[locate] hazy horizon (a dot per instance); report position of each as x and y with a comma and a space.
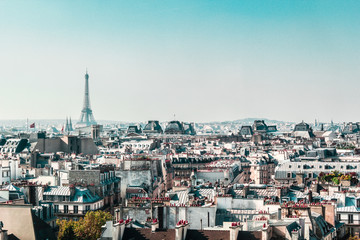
203, 61
164, 121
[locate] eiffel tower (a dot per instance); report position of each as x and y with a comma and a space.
87, 117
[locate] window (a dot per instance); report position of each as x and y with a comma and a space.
289, 175
76, 208
87, 207
56, 208
350, 218
339, 217
66, 208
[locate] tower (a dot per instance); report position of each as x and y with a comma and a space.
70, 126
67, 125
86, 118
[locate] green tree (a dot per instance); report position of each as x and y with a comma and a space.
87, 228
66, 229
336, 180
353, 238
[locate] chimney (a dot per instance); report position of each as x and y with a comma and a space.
186, 226
3, 233
265, 232
118, 229
307, 228
294, 235
330, 213
234, 230
181, 230
154, 225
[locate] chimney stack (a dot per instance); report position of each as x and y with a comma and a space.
154, 225
265, 232
234, 230
181, 230
294, 235
3, 233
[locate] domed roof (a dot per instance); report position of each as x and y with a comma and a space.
153, 126
259, 125
174, 127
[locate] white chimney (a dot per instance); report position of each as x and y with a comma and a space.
181, 230
265, 232
294, 235
154, 225
186, 226
234, 230
3, 234
118, 230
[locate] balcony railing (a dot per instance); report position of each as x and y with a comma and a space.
79, 212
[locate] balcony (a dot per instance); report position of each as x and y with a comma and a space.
71, 212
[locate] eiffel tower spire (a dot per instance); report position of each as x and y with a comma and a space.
86, 117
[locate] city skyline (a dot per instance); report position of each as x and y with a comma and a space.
203, 61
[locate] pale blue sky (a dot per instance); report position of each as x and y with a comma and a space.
202, 60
